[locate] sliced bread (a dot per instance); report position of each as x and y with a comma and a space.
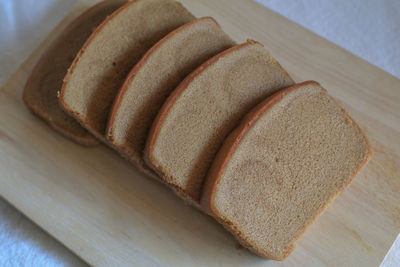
204, 108
150, 82
40, 92
281, 167
98, 71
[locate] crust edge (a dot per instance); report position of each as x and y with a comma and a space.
226, 152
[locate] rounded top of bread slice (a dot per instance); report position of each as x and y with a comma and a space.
196, 117
281, 167
99, 69
40, 91
150, 82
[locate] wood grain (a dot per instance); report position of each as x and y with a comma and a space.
108, 213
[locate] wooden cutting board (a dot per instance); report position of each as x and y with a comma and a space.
108, 213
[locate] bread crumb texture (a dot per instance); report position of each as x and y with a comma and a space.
46, 79
105, 60
156, 75
289, 165
206, 107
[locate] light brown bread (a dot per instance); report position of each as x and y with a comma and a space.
40, 92
98, 71
281, 167
150, 82
204, 108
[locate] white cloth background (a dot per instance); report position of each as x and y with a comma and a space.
368, 28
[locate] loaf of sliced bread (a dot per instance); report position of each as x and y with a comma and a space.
281, 167
99, 69
150, 82
205, 107
40, 92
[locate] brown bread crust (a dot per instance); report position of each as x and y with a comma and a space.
65, 124
125, 87
65, 105
135, 69
226, 152
159, 120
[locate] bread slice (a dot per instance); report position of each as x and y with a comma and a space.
281, 167
98, 71
150, 82
40, 92
204, 108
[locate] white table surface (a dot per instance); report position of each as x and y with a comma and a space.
368, 28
